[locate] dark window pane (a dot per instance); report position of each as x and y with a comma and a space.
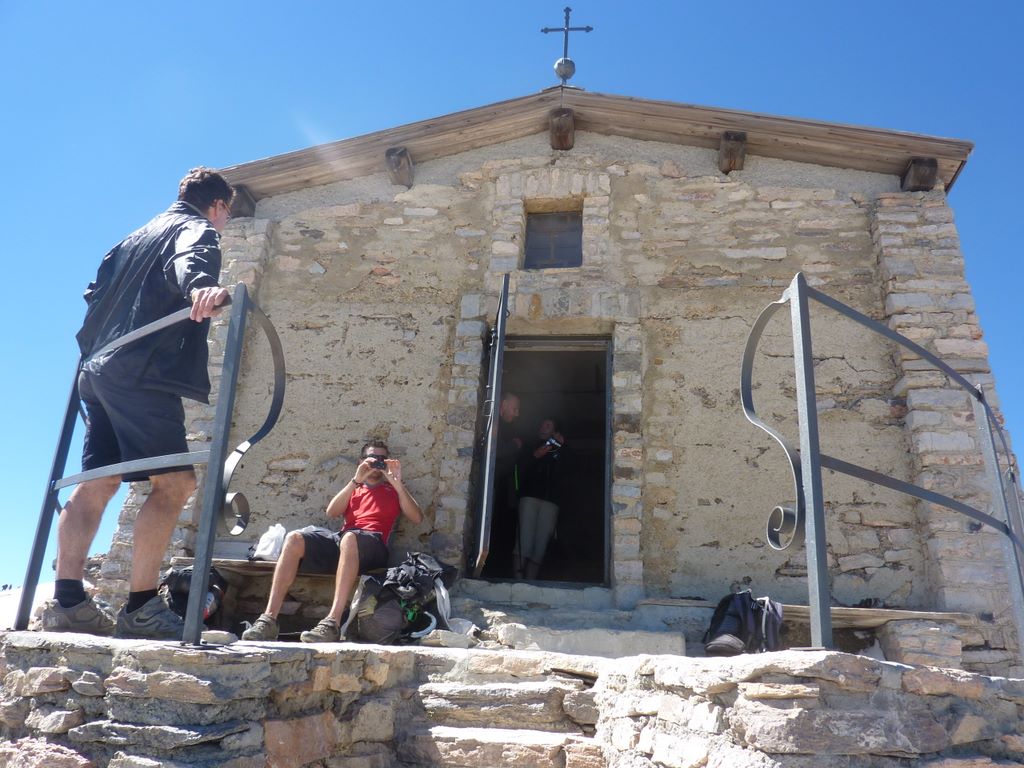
554, 240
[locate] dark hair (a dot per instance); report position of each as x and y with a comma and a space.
557, 427
202, 187
374, 443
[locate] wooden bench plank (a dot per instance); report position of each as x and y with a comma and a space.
842, 617
244, 567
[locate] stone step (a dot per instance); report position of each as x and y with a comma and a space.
590, 641
566, 621
539, 705
448, 747
491, 666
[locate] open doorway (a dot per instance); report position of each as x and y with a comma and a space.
564, 379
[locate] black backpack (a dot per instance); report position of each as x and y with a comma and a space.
743, 624
176, 584
394, 608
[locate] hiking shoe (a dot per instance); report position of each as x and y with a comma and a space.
325, 632
264, 628
88, 616
153, 621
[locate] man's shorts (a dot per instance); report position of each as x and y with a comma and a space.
124, 423
323, 550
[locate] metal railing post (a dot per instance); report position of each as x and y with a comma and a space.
819, 598
213, 492
1002, 510
51, 504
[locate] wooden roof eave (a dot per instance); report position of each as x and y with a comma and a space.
830, 144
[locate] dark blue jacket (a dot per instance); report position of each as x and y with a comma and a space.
148, 275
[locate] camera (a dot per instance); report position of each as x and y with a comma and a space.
553, 443
378, 464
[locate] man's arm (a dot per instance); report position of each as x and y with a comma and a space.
206, 302
339, 504
406, 502
195, 268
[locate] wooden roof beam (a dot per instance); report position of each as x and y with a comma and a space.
244, 204
563, 128
400, 166
732, 151
921, 175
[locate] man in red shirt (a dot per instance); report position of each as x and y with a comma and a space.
370, 504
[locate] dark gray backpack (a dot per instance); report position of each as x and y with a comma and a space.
743, 624
401, 606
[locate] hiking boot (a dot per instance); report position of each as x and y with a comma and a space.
325, 632
153, 621
264, 628
87, 616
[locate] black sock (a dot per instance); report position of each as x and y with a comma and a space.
138, 599
69, 592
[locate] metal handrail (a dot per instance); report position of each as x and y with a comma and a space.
492, 417
218, 503
787, 523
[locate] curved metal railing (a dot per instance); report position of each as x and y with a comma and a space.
232, 508
788, 523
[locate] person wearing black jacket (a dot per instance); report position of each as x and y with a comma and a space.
132, 398
540, 491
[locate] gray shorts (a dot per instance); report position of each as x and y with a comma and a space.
323, 550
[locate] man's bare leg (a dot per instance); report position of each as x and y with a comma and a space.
287, 567
154, 526
532, 569
347, 576
78, 523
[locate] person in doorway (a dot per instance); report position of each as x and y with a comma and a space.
132, 399
370, 504
542, 465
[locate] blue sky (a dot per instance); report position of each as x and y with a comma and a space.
106, 105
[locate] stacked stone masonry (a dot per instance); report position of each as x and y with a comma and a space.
78, 702
383, 297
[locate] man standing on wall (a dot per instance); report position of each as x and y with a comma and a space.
369, 505
132, 399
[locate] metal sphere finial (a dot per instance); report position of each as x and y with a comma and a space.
565, 68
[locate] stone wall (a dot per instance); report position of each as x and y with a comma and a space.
382, 294
78, 702
927, 299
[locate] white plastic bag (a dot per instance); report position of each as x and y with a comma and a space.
270, 544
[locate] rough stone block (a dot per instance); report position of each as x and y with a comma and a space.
297, 741
42, 680
36, 753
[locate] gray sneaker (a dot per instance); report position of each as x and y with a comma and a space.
264, 628
325, 632
88, 616
153, 621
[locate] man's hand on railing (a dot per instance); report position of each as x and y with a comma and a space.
208, 302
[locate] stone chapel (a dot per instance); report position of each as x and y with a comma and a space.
641, 239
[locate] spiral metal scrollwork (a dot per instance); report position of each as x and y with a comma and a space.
785, 523
235, 511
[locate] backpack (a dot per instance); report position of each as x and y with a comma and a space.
393, 609
743, 624
176, 583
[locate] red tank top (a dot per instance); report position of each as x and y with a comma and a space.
373, 509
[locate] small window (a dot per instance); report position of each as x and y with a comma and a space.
554, 240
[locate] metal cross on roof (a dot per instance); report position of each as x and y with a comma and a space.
564, 67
